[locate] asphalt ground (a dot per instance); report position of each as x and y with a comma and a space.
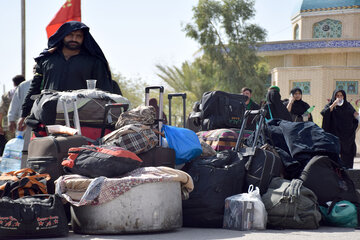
328, 233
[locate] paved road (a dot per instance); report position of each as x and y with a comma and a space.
327, 233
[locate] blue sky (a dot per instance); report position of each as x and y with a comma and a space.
134, 35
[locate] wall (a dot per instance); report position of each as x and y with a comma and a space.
350, 20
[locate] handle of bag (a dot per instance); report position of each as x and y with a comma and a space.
161, 103
158, 132
183, 95
75, 116
261, 113
24, 172
108, 107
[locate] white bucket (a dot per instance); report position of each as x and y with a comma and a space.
146, 208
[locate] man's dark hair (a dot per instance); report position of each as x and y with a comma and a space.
18, 79
246, 89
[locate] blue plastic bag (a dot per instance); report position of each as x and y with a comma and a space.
184, 141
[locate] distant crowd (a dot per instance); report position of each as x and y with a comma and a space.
339, 116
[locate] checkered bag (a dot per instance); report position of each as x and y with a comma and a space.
140, 115
136, 138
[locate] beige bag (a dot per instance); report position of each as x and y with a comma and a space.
142, 114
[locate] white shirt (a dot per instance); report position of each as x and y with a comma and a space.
17, 101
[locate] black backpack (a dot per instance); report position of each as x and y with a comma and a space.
220, 109
328, 180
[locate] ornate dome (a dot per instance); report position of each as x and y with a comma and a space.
328, 5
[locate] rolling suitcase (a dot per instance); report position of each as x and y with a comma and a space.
261, 165
45, 155
157, 156
215, 178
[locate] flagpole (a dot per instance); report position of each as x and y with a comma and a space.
23, 59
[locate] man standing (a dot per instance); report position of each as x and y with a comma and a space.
72, 57
4, 107
250, 105
6, 135
17, 101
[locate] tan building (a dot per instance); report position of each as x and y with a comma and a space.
324, 54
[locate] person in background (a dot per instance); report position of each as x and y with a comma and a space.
296, 106
250, 105
5, 104
17, 101
341, 119
72, 57
274, 106
153, 102
6, 98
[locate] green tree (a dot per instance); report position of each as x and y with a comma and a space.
227, 38
193, 79
132, 89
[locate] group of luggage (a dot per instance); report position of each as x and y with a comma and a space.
221, 176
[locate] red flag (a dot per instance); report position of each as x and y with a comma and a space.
70, 11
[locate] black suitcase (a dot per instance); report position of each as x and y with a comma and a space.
32, 217
158, 156
45, 155
261, 165
215, 178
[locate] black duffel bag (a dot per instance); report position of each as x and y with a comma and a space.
33, 217
215, 179
219, 109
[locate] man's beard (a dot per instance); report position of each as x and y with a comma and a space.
72, 45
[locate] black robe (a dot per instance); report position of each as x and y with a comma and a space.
275, 105
54, 72
298, 108
341, 123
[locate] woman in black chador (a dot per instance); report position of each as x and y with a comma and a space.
274, 106
340, 119
297, 107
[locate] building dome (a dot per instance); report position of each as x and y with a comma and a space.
328, 5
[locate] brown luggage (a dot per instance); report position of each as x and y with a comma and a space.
47, 153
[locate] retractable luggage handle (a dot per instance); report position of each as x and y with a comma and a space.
183, 95
75, 118
108, 107
262, 114
161, 103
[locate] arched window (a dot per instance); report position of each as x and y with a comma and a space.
327, 28
297, 32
